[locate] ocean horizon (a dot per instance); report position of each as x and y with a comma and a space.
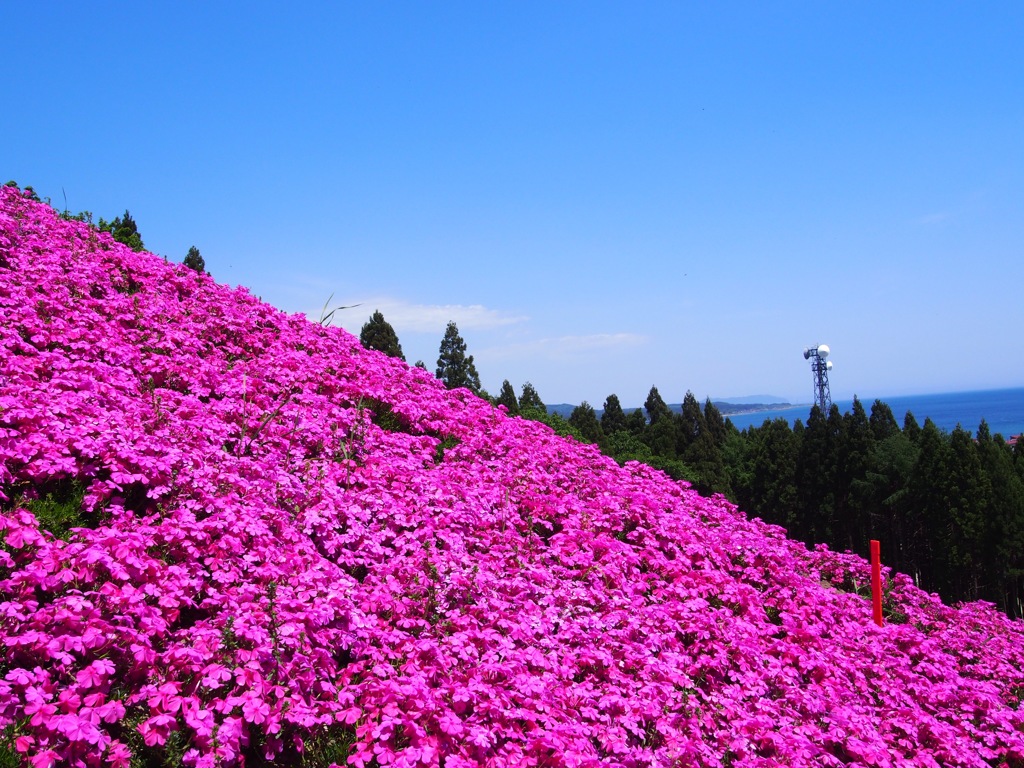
1002, 409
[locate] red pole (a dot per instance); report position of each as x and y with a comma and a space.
876, 581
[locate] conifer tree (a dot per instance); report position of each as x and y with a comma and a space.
910, 427
815, 470
1004, 524
969, 495
123, 230
613, 419
690, 423
656, 407
584, 419
529, 400
507, 397
850, 530
378, 334
717, 426
194, 260
454, 367
636, 422
883, 423
773, 492
928, 526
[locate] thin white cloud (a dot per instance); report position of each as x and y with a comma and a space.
560, 347
423, 318
933, 218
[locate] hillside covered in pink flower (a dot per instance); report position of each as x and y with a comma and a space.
286, 549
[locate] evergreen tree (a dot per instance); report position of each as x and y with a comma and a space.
661, 436
705, 457
1003, 551
420, 364
378, 334
454, 368
969, 495
624, 446
885, 488
717, 426
529, 400
928, 526
772, 492
656, 407
883, 423
636, 423
815, 473
690, 424
194, 260
698, 447
584, 419
910, 427
123, 230
854, 454
613, 419
507, 397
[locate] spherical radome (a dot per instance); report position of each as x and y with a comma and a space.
823, 351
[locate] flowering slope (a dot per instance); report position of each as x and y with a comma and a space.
292, 549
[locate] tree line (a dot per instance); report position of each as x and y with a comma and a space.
947, 507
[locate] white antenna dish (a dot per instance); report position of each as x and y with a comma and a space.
823, 351
828, 366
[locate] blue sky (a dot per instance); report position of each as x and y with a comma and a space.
602, 196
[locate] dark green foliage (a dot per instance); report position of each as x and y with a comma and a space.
378, 334
1003, 544
661, 437
445, 444
124, 230
910, 427
507, 397
656, 407
28, 191
927, 513
717, 425
883, 423
623, 446
60, 509
699, 444
194, 260
555, 421
9, 757
384, 415
690, 424
454, 368
636, 422
530, 400
584, 419
420, 364
772, 492
854, 454
969, 492
613, 419
675, 469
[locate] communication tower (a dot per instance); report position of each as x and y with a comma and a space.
820, 367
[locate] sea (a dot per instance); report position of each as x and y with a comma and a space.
1002, 409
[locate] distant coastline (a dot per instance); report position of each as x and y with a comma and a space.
1002, 410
